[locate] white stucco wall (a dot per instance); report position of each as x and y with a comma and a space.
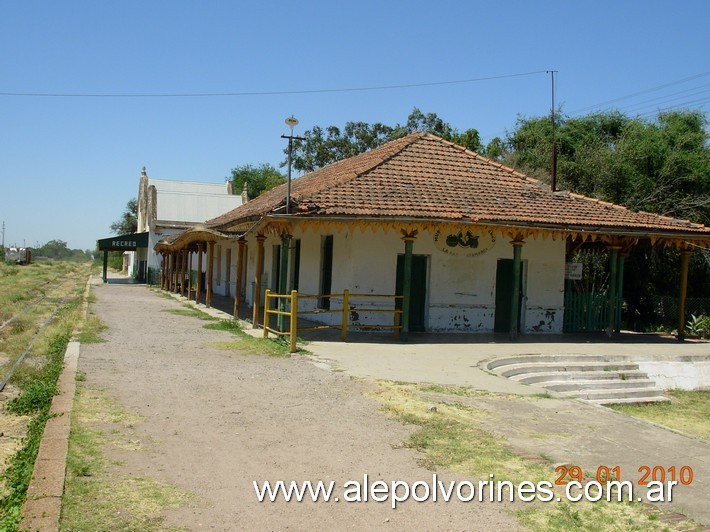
672, 374
460, 285
221, 277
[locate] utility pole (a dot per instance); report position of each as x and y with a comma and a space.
285, 238
553, 174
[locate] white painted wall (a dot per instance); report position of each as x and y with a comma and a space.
671, 375
219, 272
460, 289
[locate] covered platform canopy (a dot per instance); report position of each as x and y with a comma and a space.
130, 242
177, 251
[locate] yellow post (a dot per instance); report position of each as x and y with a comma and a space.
266, 313
294, 319
396, 323
346, 310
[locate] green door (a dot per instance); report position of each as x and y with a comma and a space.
504, 296
417, 301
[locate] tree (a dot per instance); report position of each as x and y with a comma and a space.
57, 249
660, 165
258, 179
326, 146
323, 147
128, 223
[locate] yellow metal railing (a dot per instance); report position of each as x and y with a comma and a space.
293, 313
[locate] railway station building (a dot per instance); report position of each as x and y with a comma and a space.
455, 241
168, 207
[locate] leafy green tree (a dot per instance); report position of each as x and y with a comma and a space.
660, 165
323, 147
258, 179
496, 149
326, 146
128, 223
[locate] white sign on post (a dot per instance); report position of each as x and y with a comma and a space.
573, 271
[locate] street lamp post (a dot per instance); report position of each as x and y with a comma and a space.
286, 238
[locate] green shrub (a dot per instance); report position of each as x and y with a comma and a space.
699, 326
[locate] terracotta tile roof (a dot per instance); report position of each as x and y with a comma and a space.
422, 176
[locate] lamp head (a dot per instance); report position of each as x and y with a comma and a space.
291, 122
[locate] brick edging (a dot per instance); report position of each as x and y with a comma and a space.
44, 495
43, 504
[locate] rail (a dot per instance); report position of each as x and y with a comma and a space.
293, 299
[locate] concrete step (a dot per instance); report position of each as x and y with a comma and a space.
541, 378
624, 393
546, 367
599, 379
630, 400
595, 385
538, 358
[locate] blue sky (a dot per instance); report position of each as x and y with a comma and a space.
68, 165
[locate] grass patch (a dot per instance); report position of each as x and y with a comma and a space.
91, 331
451, 437
97, 495
247, 344
687, 412
189, 311
35, 400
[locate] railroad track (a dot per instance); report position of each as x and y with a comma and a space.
37, 300
66, 289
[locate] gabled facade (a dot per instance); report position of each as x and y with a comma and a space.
168, 207
471, 245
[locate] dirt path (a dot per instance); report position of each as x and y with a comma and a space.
213, 421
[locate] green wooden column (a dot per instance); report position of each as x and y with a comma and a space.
283, 279
517, 274
406, 285
684, 260
619, 291
613, 263
105, 266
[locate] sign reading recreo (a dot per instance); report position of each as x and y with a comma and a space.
573, 271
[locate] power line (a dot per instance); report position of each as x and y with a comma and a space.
640, 107
670, 97
262, 93
683, 105
645, 91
